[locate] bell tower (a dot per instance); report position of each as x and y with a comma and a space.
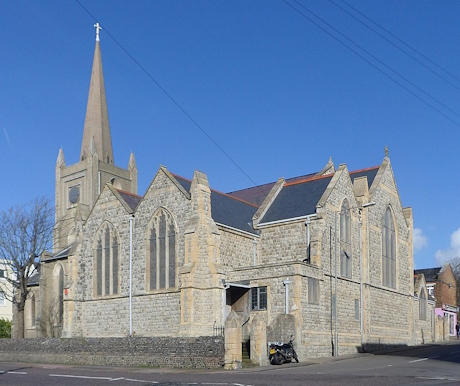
78, 186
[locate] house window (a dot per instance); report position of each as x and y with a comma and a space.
313, 291
2, 273
345, 240
422, 305
162, 252
2, 298
107, 262
388, 251
259, 298
430, 290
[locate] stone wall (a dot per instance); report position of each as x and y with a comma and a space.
424, 329
202, 352
154, 312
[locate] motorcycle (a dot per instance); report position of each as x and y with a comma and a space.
282, 353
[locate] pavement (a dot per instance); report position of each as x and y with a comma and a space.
255, 368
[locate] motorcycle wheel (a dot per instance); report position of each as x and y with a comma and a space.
295, 357
277, 359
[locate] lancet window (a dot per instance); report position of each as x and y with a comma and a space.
162, 251
345, 240
107, 261
58, 290
388, 250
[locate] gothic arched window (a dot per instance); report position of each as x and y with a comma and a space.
106, 261
162, 251
345, 240
58, 283
388, 250
422, 305
31, 313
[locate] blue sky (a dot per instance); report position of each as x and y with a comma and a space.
275, 92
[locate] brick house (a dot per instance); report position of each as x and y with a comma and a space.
442, 286
332, 250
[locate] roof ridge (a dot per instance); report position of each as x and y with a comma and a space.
364, 169
218, 191
128, 193
252, 187
308, 179
234, 198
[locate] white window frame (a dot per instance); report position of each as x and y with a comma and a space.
259, 295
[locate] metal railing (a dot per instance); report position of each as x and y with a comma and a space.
218, 330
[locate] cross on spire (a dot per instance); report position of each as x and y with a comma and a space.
98, 28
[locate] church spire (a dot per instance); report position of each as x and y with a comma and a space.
97, 126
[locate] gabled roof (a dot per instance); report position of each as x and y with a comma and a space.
255, 195
370, 173
34, 280
300, 195
62, 254
431, 274
132, 200
227, 210
297, 199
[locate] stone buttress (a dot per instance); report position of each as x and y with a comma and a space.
202, 275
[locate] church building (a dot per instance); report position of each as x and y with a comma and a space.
330, 252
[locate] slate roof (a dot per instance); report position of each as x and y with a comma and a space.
296, 199
131, 199
62, 254
370, 173
34, 280
227, 210
431, 274
299, 196
255, 195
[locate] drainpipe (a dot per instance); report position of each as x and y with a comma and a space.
361, 302
336, 345
131, 275
286, 285
307, 224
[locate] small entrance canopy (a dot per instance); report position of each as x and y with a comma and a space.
244, 284
234, 294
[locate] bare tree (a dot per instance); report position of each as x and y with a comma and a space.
25, 233
455, 264
49, 320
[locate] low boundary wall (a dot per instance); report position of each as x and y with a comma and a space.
201, 352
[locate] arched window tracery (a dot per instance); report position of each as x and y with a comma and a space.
388, 250
107, 261
162, 251
345, 240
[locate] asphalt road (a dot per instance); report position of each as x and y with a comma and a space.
422, 366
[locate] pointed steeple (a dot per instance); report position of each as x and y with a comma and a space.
97, 126
132, 162
60, 159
